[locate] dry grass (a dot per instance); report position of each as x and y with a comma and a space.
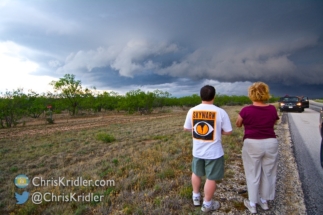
150, 162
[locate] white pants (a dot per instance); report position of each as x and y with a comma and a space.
260, 165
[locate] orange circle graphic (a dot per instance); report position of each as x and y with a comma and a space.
202, 129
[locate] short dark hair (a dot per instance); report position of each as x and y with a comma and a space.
207, 93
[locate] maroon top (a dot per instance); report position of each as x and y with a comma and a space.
259, 121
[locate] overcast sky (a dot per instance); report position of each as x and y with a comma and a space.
175, 46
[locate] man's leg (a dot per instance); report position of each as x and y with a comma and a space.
196, 183
214, 169
209, 189
197, 169
196, 196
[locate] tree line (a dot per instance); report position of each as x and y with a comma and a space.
70, 96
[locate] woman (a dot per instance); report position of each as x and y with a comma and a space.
260, 147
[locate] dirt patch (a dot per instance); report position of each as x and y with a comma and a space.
63, 122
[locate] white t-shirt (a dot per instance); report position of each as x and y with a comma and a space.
206, 122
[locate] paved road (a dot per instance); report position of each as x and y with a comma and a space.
316, 105
304, 128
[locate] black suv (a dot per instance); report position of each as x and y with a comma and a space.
295, 103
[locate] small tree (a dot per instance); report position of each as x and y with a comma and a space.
160, 98
87, 103
136, 100
109, 100
36, 104
13, 106
70, 90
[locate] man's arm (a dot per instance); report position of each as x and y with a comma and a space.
187, 129
226, 132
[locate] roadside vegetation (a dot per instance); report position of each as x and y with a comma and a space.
69, 95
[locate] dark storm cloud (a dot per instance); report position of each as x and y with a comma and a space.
165, 43
309, 90
266, 61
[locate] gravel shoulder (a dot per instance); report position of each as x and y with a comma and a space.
289, 194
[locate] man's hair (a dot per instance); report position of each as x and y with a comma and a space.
207, 93
259, 92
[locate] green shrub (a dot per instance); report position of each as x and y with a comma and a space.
50, 120
167, 173
14, 169
107, 138
186, 192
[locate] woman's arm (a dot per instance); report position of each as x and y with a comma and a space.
239, 121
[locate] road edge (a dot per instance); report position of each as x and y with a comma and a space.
289, 196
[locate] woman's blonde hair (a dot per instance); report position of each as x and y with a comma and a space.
259, 92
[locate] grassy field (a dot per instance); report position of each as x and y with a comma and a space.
148, 157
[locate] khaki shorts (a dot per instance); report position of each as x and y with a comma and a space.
212, 168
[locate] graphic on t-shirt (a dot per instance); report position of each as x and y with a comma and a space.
204, 125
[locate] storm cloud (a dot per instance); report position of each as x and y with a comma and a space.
174, 46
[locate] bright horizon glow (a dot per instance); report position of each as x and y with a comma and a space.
16, 70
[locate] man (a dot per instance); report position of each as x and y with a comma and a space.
207, 123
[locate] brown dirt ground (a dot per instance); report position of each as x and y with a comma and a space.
64, 122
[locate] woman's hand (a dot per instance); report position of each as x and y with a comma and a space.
239, 121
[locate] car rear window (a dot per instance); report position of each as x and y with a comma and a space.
290, 99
